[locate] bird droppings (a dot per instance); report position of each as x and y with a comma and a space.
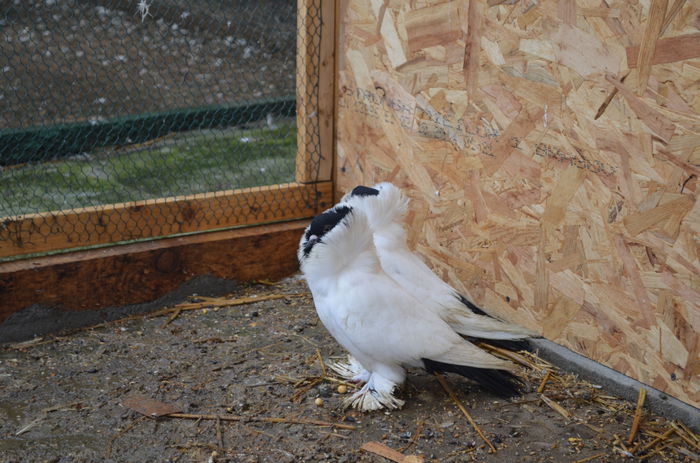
247, 394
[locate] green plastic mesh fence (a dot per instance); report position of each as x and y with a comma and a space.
112, 101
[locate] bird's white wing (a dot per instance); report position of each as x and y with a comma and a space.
386, 211
413, 275
388, 325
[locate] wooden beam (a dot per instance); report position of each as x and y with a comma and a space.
35, 233
315, 89
326, 92
141, 272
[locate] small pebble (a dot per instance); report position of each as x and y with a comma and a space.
325, 390
318, 402
342, 389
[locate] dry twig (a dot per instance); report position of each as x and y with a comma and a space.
637, 414
176, 310
592, 457
453, 396
414, 439
262, 419
686, 434
517, 357
220, 302
320, 360
387, 452
172, 317
556, 407
44, 413
133, 424
219, 434
540, 388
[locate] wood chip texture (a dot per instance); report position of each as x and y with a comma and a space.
583, 229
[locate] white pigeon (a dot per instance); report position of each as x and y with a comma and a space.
383, 326
385, 206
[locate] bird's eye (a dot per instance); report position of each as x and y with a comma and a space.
327, 228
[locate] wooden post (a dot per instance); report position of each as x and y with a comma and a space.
315, 89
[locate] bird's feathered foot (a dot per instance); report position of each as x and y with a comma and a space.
377, 393
351, 371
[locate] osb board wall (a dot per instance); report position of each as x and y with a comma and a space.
550, 149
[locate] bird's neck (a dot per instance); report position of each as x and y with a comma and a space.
391, 235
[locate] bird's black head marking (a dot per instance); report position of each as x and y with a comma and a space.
322, 224
362, 190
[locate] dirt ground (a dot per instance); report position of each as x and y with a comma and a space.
62, 398
76, 60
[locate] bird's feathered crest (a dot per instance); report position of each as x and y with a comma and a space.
335, 238
386, 207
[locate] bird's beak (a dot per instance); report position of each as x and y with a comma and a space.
310, 242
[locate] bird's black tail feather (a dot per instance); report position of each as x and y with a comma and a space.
508, 344
514, 345
473, 307
500, 382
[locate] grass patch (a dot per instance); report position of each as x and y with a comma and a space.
181, 164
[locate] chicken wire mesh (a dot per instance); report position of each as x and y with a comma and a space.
113, 101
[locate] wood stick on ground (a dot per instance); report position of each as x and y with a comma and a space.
637, 414
219, 434
387, 452
171, 318
262, 419
683, 435
196, 445
158, 313
453, 396
556, 407
514, 356
44, 413
414, 439
108, 452
688, 431
623, 448
221, 302
320, 360
656, 441
657, 450
298, 395
592, 457
333, 434
540, 388
260, 432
